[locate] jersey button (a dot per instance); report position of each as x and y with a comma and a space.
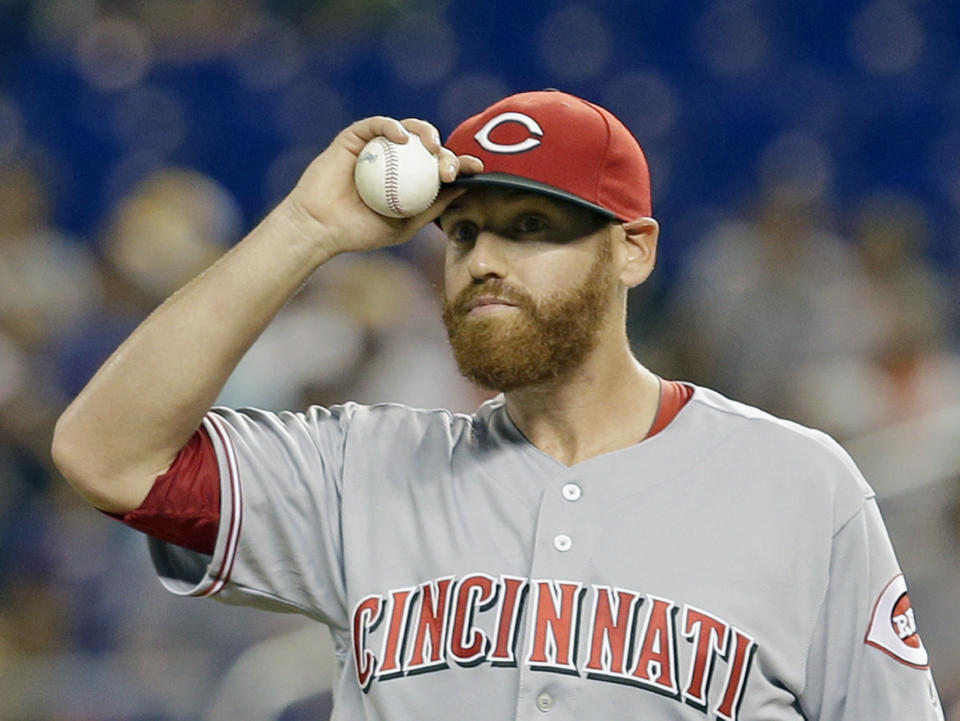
571, 492
544, 702
562, 542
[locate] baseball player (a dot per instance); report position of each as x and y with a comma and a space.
595, 542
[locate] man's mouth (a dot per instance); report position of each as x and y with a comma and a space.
485, 300
484, 304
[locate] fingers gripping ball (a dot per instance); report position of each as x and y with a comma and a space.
397, 180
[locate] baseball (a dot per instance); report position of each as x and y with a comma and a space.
397, 180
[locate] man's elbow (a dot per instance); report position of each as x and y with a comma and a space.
80, 463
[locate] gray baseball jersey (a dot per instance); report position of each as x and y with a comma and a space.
733, 566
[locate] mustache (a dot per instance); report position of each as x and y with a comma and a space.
495, 288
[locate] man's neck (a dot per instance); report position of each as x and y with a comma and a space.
607, 404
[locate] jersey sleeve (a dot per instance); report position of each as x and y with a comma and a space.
278, 543
866, 659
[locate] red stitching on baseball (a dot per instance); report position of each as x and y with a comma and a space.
391, 181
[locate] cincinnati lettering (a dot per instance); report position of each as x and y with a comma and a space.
596, 632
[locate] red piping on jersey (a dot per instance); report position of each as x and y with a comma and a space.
236, 508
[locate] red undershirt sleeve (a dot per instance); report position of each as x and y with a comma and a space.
183, 507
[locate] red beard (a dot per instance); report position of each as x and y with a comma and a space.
539, 341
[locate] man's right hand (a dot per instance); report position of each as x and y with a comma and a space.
325, 204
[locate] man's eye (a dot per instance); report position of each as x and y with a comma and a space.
531, 224
463, 232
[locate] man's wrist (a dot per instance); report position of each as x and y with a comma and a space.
300, 228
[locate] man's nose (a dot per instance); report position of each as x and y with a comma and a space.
488, 257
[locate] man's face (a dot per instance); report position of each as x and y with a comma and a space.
528, 286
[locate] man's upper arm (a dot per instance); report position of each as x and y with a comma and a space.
866, 659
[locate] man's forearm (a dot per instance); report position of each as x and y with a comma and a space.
127, 425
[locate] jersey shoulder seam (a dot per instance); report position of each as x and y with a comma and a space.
828, 444
823, 599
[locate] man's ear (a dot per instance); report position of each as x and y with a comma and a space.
640, 250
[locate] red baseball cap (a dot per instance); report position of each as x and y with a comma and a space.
551, 142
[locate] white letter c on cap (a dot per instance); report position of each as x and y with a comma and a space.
482, 136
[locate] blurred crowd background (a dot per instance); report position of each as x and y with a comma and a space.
806, 166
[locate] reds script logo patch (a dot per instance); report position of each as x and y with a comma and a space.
893, 628
529, 140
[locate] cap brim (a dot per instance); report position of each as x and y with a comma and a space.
505, 180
